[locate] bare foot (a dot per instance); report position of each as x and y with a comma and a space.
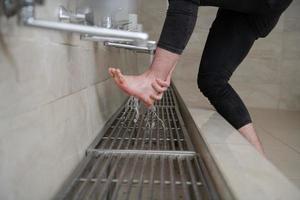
139, 86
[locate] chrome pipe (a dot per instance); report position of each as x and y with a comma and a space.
148, 48
142, 152
103, 39
82, 29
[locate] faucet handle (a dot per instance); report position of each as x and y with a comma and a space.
80, 16
63, 14
122, 24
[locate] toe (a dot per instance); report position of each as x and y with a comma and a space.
119, 76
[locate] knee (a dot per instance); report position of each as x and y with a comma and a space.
212, 86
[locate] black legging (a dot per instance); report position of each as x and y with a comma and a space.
237, 25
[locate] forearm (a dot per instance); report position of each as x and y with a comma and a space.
164, 61
178, 27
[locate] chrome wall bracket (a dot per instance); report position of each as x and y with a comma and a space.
147, 47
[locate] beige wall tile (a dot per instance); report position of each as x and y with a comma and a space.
270, 46
276, 119
289, 88
296, 181
56, 97
191, 94
258, 95
266, 138
286, 159
38, 141
290, 48
258, 70
292, 17
23, 77
283, 126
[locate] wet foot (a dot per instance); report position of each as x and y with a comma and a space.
139, 86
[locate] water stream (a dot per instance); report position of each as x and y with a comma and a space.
151, 114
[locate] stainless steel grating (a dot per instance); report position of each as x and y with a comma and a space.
167, 100
142, 160
125, 134
129, 176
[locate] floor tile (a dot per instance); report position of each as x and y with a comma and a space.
282, 125
214, 129
267, 139
296, 181
285, 159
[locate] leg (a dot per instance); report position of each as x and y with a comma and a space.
249, 133
229, 41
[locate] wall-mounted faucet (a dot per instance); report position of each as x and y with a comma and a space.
129, 44
27, 16
82, 22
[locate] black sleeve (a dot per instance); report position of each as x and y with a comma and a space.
179, 25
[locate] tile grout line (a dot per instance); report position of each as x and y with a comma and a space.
278, 139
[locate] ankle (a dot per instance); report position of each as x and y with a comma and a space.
151, 74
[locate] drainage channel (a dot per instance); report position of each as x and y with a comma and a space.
133, 160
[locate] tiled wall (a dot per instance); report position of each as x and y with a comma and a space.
56, 96
268, 77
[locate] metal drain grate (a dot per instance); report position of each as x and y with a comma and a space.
138, 161
128, 176
125, 134
167, 100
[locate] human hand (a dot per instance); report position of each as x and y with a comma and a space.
160, 86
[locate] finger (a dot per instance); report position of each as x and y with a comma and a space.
110, 71
119, 75
162, 83
158, 88
169, 78
156, 96
149, 102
